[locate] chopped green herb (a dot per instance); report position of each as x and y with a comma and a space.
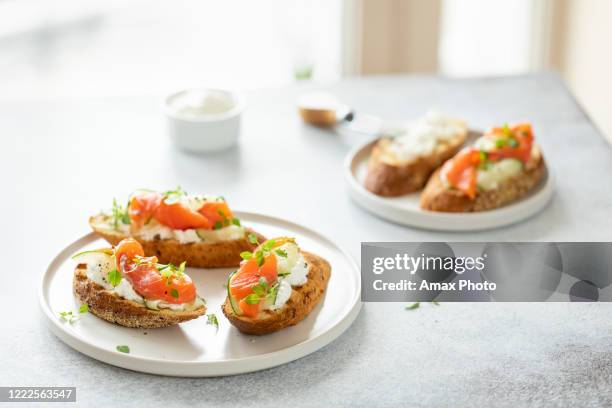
236, 222
123, 349
283, 274
120, 214
252, 238
499, 143
483, 156
69, 317
212, 320
221, 213
174, 293
282, 253
507, 131
273, 293
268, 245
114, 277
218, 225
413, 306
259, 256
246, 255
252, 299
173, 196
84, 308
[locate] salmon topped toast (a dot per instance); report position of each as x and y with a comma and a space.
402, 164
501, 167
175, 227
276, 286
122, 286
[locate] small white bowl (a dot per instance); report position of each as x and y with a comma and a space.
204, 120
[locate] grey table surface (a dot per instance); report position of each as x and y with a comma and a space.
66, 159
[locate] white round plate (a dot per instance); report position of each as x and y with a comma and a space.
194, 348
406, 210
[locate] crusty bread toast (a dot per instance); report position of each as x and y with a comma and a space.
112, 308
438, 197
303, 299
222, 254
390, 177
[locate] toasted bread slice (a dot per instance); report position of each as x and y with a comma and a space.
221, 254
112, 308
303, 299
438, 197
390, 176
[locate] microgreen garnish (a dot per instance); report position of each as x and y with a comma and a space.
171, 272
499, 143
413, 306
69, 317
211, 319
281, 252
507, 131
174, 293
114, 277
252, 238
246, 255
218, 225
173, 196
236, 222
120, 214
123, 349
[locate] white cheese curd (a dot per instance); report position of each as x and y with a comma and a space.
98, 271
293, 271
126, 291
485, 143
153, 230
283, 294
299, 272
422, 137
186, 236
193, 202
497, 173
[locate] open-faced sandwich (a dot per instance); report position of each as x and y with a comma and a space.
123, 286
501, 167
177, 227
402, 164
276, 286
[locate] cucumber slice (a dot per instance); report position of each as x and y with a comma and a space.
104, 251
233, 303
100, 256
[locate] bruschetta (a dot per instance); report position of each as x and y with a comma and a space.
502, 166
402, 164
122, 286
276, 286
175, 227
